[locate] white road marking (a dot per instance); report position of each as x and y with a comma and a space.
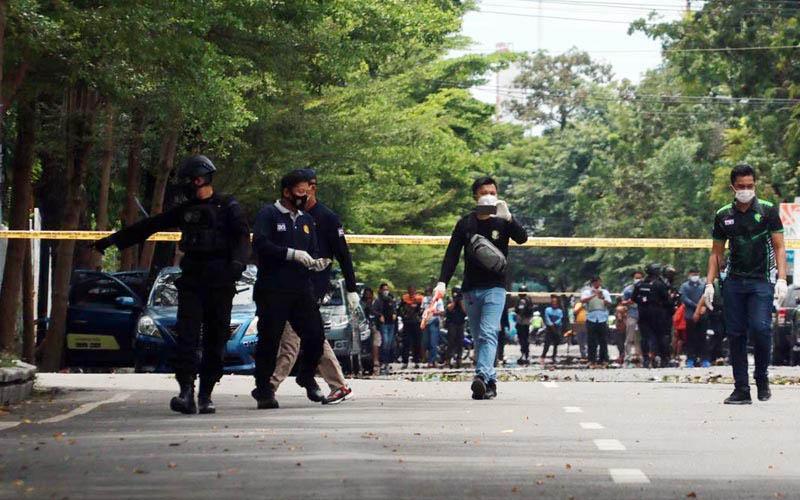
628, 476
591, 426
85, 408
8, 425
573, 409
550, 385
609, 445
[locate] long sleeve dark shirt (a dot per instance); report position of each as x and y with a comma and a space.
499, 232
274, 233
213, 268
332, 243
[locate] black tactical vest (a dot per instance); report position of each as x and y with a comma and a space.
204, 229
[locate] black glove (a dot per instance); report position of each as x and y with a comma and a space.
102, 244
236, 268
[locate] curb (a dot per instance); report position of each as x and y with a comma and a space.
16, 384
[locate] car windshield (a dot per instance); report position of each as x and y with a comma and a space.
334, 295
165, 293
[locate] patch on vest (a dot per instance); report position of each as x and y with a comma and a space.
728, 222
281, 227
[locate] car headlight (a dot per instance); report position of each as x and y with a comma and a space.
147, 327
252, 328
338, 321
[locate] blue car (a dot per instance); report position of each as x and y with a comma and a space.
101, 318
156, 328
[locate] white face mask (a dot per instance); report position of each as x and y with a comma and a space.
745, 195
636, 281
488, 200
694, 278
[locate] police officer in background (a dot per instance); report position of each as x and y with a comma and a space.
215, 241
524, 310
285, 242
652, 298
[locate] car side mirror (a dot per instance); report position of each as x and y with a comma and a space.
125, 302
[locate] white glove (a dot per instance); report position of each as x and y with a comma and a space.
353, 301
708, 295
440, 289
300, 256
781, 289
320, 265
502, 211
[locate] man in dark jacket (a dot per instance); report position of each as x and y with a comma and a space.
487, 230
215, 241
331, 243
285, 242
385, 310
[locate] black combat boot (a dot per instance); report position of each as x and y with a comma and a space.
478, 388
739, 397
763, 389
491, 390
204, 404
184, 402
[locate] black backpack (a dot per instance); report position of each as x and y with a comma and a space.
482, 251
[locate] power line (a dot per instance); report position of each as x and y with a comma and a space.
706, 49
608, 21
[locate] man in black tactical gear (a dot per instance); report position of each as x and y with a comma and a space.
524, 310
215, 241
655, 316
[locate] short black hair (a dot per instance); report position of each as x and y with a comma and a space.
637, 272
292, 179
310, 173
742, 170
383, 285
594, 279
482, 181
694, 270
553, 296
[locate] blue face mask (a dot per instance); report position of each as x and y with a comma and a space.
723, 275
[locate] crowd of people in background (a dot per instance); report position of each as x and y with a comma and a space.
657, 320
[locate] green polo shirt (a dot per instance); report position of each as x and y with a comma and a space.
749, 237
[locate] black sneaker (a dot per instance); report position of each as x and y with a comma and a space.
313, 392
763, 390
265, 400
491, 390
739, 397
478, 388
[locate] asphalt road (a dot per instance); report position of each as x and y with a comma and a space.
113, 436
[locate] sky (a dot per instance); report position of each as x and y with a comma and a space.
599, 27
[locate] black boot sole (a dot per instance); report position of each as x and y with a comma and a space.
738, 402
177, 406
206, 410
269, 404
478, 389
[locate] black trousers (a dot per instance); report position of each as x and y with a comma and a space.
696, 348
597, 337
274, 308
552, 337
209, 309
501, 345
412, 340
655, 325
455, 343
523, 332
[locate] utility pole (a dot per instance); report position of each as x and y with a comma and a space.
539, 28
498, 103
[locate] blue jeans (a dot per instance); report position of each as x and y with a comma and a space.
748, 311
484, 310
387, 343
433, 340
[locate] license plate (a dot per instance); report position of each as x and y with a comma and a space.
83, 342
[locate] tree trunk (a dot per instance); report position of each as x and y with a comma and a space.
3, 9
21, 189
133, 179
166, 160
80, 111
28, 307
106, 162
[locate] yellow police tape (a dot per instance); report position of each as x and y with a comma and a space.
387, 239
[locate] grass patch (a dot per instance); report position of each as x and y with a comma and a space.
7, 360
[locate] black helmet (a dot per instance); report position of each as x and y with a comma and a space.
456, 289
523, 288
196, 166
653, 269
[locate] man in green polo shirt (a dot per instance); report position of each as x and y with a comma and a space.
756, 277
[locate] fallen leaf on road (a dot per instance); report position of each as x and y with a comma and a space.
691, 494
550, 476
539, 482
299, 464
58, 436
19, 483
515, 489
172, 465
174, 444
568, 466
139, 471
507, 431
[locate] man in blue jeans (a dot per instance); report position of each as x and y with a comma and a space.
756, 276
484, 235
385, 310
